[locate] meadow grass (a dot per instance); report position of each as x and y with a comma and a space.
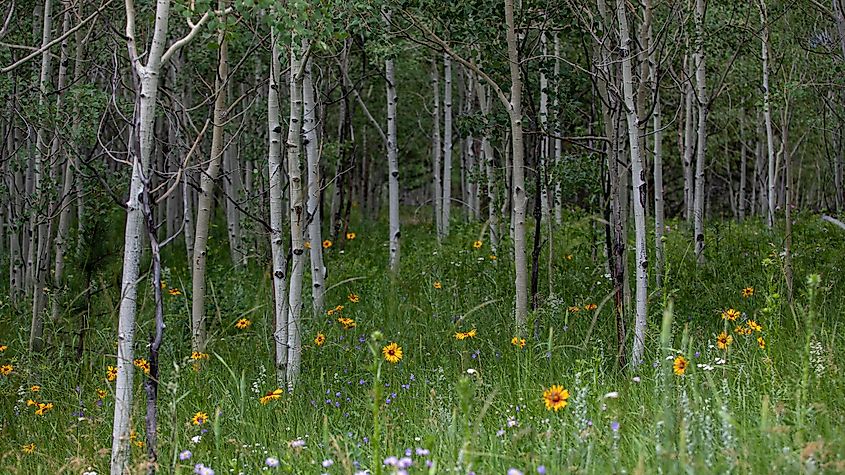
473, 405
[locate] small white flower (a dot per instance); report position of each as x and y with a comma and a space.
611, 395
471, 371
196, 439
636, 379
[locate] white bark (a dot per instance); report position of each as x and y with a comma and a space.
657, 126
437, 150
309, 124
558, 143
393, 165
689, 138
545, 142
447, 143
638, 182
701, 87
767, 116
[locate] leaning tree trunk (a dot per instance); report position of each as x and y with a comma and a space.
638, 182
277, 237
309, 124
393, 164
436, 150
205, 202
447, 144
701, 85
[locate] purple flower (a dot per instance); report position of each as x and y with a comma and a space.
185, 455
422, 452
614, 426
200, 469
391, 461
272, 462
404, 463
541, 470
412, 378
513, 471
327, 463
362, 382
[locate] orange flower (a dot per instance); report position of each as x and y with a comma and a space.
327, 244
350, 236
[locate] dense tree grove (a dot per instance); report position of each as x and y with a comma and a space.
152, 149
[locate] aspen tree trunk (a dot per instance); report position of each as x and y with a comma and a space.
519, 195
558, 143
485, 104
638, 182
659, 213
447, 144
173, 163
742, 166
393, 164
206, 197
297, 212
309, 124
233, 189
689, 138
38, 222
544, 141
436, 150
767, 116
701, 85
787, 157
277, 238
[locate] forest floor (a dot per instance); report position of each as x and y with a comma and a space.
465, 397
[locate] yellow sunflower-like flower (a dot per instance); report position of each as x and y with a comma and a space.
679, 366
748, 292
350, 236
30, 402
472, 333
730, 314
35, 388
271, 396
590, 307
327, 244
199, 418
555, 397
111, 373
3, 348
347, 323
101, 394
339, 308
516, 341
330, 312
28, 448
243, 323
753, 325
319, 339
460, 336
477, 244
723, 341
437, 284
6, 369
196, 356
761, 342
43, 408
392, 353
574, 309
174, 292
354, 298
142, 364
492, 257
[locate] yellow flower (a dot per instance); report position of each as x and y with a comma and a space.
6, 369
199, 418
350, 236
43, 408
516, 341
472, 333
35, 388
555, 397
761, 342
139, 443
574, 309
723, 341
319, 339
339, 308
492, 257
327, 244
101, 394
30, 402
347, 323
437, 284
3, 347
460, 335
111, 373
243, 323
330, 312
307, 244
196, 356
142, 364
174, 292
569, 257
755, 326
392, 353
679, 367
477, 244
271, 396
741, 330
730, 314
28, 448
354, 298
590, 306
748, 292
163, 284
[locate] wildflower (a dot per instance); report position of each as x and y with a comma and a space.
327, 463
472, 333
354, 298
243, 323
741, 330
477, 244
307, 244
327, 244
200, 469
35, 388
271, 396
723, 341
392, 353
569, 257
730, 314
101, 394
3, 348
111, 373
319, 339
492, 257
350, 236
142, 364
43, 408
748, 292
196, 356
296, 444
516, 341
438, 285
30, 402
196, 439
28, 448
347, 323
761, 342
6, 369
199, 418
574, 309
555, 397
755, 326
272, 462
338, 308
185, 455
679, 367
590, 307
174, 292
